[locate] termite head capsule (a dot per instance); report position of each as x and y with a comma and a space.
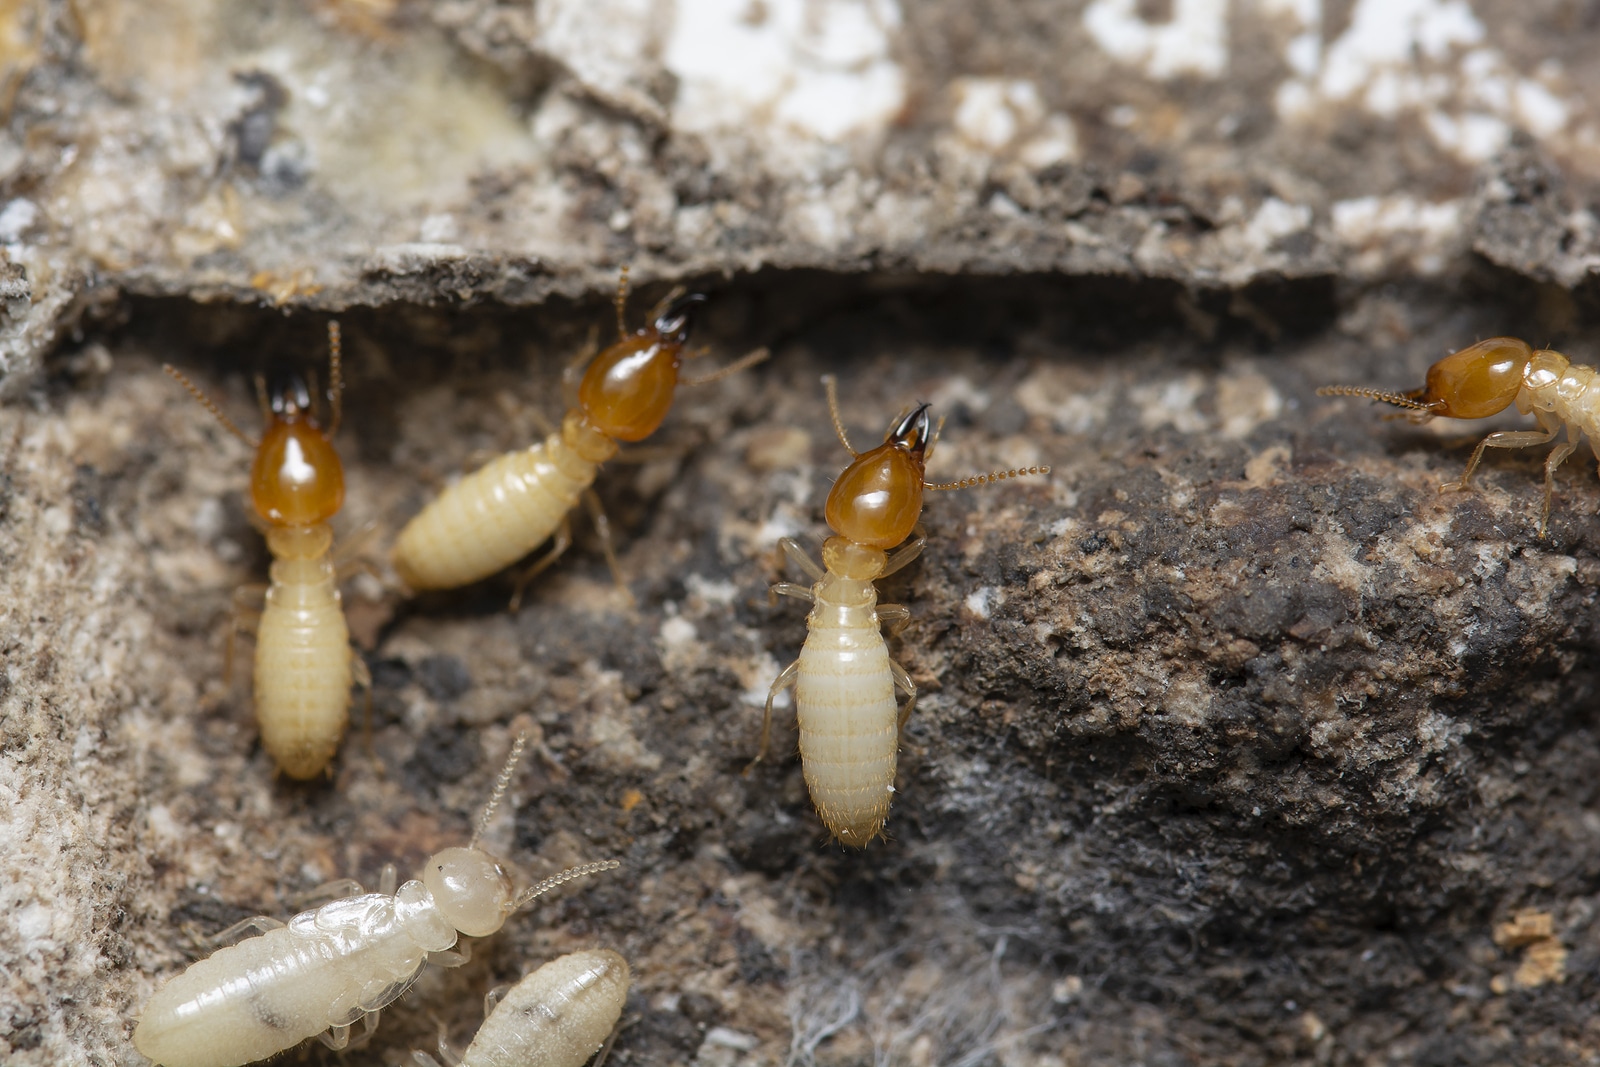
296, 479
628, 389
1474, 383
471, 888
877, 500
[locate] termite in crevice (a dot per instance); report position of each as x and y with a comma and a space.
844, 680
1486, 378
304, 665
498, 514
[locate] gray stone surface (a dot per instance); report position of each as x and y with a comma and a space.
1240, 743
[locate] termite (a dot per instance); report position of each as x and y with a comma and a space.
304, 665
844, 680
342, 963
558, 1016
507, 508
1486, 378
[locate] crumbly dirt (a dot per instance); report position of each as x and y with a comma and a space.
1239, 742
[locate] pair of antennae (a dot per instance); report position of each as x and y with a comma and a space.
1399, 400
831, 384
335, 388
501, 784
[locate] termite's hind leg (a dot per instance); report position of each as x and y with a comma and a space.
1557, 456
605, 1049
560, 541
243, 617
369, 1026
456, 957
779, 684
602, 527
339, 887
388, 879
908, 687
361, 674
335, 1037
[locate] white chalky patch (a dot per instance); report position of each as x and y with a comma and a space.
1193, 41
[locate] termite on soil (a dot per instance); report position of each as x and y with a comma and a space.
558, 1016
507, 508
342, 963
844, 680
1486, 378
304, 665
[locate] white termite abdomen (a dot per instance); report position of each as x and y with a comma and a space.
493, 517
558, 1016
328, 967
303, 662
845, 706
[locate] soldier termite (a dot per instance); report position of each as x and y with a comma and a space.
333, 966
504, 510
304, 665
844, 680
558, 1016
1486, 378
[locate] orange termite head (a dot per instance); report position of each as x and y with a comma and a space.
296, 479
877, 500
1474, 383
628, 389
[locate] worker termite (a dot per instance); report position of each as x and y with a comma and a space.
304, 665
558, 1016
505, 509
844, 680
1486, 378
333, 966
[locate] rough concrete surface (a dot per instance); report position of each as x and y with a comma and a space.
1239, 742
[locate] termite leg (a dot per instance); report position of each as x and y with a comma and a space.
798, 555
1508, 439
908, 687
560, 541
369, 1026
388, 879
492, 998
605, 1049
242, 618
749, 359
335, 1037
1557, 456
896, 616
799, 592
362, 676
261, 924
572, 373
456, 957
779, 684
339, 887
903, 556
602, 526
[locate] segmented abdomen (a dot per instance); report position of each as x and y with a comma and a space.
849, 736
491, 518
268, 993
558, 1016
302, 675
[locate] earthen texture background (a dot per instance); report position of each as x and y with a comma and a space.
1239, 740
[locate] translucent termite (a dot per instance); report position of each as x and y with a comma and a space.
507, 508
844, 680
558, 1016
333, 966
304, 665
1486, 378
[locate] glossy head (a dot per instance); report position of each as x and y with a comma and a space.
1474, 383
471, 889
877, 500
296, 479
628, 389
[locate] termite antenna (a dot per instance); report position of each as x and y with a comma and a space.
1397, 399
985, 479
831, 384
501, 784
568, 875
335, 375
206, 402
621, 301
